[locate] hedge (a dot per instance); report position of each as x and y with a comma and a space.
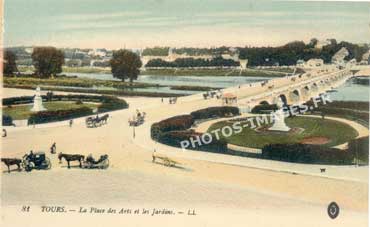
174, 138
211, 112
18, 100
263, 108
7, 120
359, 148
305, 153
173, 130
58, 115
181, 122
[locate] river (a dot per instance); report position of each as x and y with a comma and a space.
349, 91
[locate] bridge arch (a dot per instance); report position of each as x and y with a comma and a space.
305, 90
284, 99
314, 86
295, 95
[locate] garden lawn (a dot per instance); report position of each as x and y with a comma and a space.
20, 112
336, 132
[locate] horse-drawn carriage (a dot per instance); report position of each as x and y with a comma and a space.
138, 120
172, 100
211, 94
91, 163
93, 122
37, 160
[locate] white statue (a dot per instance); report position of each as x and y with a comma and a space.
279, 118
37, 101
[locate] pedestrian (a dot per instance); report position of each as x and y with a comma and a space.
53, 148
153, 156
70, 123
4, 132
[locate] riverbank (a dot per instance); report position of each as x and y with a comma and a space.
253, 72
100, 86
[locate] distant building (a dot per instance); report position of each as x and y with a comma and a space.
365, 59
321, 43
300, 63
338, 58
98, 52
234, 56
314, 63
29, 50
172, 56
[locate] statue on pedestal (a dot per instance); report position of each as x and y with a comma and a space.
37, 101
279, 118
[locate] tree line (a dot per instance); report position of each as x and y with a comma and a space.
290, 53
48, 62
287, 54
192, 62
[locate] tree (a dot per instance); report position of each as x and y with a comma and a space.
47, 61
10, 65
125, 64
313, 42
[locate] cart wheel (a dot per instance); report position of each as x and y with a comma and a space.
28, 166
47, 163
105, 165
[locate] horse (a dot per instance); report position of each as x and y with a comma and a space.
12, 161
71, 157
104, 118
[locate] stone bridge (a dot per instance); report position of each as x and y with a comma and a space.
291, 89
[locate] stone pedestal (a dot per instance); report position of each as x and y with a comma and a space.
279, 123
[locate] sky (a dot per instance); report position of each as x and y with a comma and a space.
114, 24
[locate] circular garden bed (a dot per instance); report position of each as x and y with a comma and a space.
316, 131
59, 107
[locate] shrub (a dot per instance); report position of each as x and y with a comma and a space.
211, 112
359, 148
173, 130
174, 138
79, 102
304, 153
17, 100
112, 103
181, 122
7, 120
263, 108
58, 115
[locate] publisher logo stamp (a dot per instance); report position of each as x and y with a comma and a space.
333, 210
